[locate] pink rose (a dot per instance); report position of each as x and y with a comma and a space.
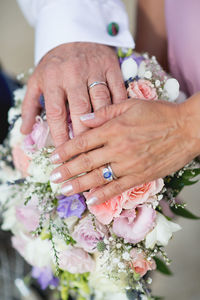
39, 137
76, 260
29, 214
139, 262
20, 160
142, 193
142, 89
133, 225
87, 234
108, 210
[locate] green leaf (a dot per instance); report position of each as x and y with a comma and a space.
162, 267
180, 211
188, 174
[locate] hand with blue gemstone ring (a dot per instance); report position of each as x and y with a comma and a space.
64, 74
141, 140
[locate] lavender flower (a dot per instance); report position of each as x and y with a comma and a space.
44, 277
138, 59
69, 206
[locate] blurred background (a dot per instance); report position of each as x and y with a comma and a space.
16, 56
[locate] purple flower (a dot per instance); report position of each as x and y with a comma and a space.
69, 206
44, 277
138, 59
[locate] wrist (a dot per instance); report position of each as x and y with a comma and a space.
189, 116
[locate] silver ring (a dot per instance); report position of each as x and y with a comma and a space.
108, 173
96, 83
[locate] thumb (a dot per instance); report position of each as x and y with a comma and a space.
105, 114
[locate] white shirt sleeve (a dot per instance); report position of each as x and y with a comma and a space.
64, 21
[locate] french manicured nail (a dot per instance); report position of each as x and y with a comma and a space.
92, 201
87, 117
54, 157
67, 189
55, 176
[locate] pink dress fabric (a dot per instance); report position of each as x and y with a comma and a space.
183, 28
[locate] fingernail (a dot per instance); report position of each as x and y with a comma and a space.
92, 201
55, 176
87, 117
67, 189
54, 157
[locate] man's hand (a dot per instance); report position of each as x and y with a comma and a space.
64, 74
142, 140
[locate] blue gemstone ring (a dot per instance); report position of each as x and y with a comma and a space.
108, 173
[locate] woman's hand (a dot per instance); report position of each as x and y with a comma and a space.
64, 74
141, 140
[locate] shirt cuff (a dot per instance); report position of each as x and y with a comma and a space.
64, 21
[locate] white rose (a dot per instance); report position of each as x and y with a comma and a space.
162, 232
98, 277
36, 252
109, 296
172, 88
39, 252
129, 68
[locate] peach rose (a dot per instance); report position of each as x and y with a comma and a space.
20, 160
142, 89
105, 212
140, 264
142, 193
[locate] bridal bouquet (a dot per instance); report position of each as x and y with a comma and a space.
97, 252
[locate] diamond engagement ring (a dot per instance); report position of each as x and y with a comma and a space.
108, 173
96, 83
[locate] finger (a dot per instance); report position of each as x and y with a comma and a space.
79, 103
56, 113
83, 183
105, 114
99, 95
116, 84
30, 106
81, 164
109, 191
89, 140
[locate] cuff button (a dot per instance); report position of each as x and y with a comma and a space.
113, 29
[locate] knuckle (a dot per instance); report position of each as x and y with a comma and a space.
100, 94
99, 177
101, 195
55, 113
117, 188
80, 143
77, 185
86, 161
66, 171
49, 70
80, 105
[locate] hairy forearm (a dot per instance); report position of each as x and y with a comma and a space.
151, 31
